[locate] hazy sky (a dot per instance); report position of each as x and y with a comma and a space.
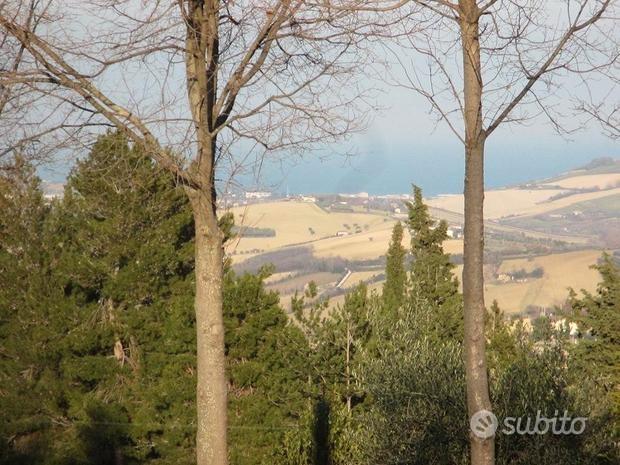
404, 146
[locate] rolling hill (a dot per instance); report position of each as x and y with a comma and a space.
560, 224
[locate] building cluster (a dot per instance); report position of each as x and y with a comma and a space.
391, 204
258, 195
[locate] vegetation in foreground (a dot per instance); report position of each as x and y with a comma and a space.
97, 351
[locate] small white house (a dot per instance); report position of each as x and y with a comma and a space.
455, 232
257, 195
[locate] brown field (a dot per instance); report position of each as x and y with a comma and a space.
360, 276
600, 181
496, 226
369, 245
366, 245
519, 202
573, 199
291, 221
280, 276
499, 203
561, 271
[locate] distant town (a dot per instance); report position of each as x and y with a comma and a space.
391, 204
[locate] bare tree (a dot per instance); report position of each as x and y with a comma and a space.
482, 64
606, 113
14, 95
197, 84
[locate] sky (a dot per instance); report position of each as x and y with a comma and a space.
435, 165
403, 144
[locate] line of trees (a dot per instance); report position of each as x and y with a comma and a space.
97, 326
252, 231
230, 81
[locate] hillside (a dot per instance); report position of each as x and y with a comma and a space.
560, 225
297, 223
561, 271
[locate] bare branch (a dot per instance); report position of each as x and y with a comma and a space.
547, 65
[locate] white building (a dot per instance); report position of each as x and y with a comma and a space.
455, 232
257, 195
359, 195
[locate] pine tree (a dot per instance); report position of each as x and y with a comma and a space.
100, 355
505, 342
337, 338
431, 278
431, 269
143, 231
599, 315
23, 212
29, 395
124, 248
268, 366
395, 274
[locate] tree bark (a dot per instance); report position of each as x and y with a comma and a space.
202, 55
211, 392
348, 365
482, 450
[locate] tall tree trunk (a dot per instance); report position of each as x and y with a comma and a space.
348, 366
211, 390
201, 59
482, 449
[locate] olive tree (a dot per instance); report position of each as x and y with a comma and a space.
482, 64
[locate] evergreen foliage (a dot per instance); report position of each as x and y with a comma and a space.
97, 342
395, 273
268, 369
98, 338
337, 339
417, 412
431, 269
599, 317
29, 335
432, 284
415, 381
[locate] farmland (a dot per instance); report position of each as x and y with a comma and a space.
590, 181
561, 271
559, 225
298, 223
505, 203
